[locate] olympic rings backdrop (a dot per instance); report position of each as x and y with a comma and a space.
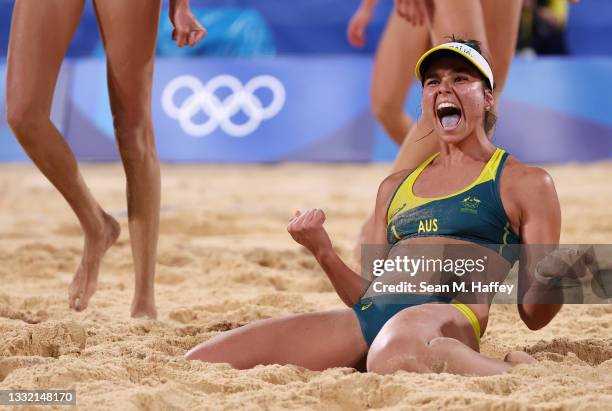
317, 109
306, 96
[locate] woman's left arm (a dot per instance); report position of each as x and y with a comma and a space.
540, 230
187, 30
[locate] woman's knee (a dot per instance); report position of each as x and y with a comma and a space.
386, 114
397, 352
132, 122
135, 136
386, 106
23, 118
413, 354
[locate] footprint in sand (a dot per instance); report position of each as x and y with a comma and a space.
27, 316
49, 339
52, 339
592, 351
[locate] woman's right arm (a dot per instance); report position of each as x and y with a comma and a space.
307, 229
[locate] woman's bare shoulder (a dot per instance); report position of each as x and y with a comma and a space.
526, 176
527, 182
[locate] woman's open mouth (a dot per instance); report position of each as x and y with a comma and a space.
449, 115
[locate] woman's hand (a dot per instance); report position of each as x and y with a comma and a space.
187, 29
567, 263
307, 230
414, 11
356, 27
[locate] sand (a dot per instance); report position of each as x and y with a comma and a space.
225, 260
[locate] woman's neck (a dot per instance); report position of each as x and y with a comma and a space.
476, 147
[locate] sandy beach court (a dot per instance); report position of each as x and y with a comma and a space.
225, 259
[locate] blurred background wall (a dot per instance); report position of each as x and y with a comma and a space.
276, 80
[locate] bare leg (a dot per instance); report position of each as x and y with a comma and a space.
502, 23
40, 34
129, 30
399, 49
433, 338
314, 340
462, 19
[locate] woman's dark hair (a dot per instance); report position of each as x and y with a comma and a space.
475, 44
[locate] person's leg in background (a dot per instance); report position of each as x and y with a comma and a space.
502, 26
129, 33
398, 51
40, 34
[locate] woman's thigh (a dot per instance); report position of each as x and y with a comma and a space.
317, 341
129, 33
502, 25
425, 322
40, 34
431, 338
398, 51
463, 19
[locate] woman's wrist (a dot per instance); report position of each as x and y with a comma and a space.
324, 255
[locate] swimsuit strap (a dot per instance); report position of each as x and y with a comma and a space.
465, 310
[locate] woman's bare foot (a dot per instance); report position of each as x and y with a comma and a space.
519, 357
85, 280
144, 308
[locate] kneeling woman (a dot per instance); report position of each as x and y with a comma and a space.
516, 204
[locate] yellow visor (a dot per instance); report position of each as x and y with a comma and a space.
464, 51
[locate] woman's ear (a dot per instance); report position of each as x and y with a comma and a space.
489, 99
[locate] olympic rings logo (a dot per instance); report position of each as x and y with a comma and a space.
219, 112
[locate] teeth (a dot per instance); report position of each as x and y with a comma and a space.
445, 105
